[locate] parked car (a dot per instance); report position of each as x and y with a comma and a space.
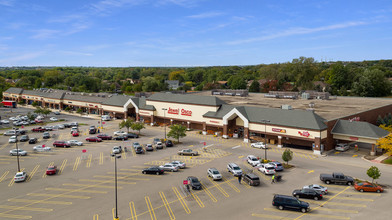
67, 125
342, 147
5, 121
51, 170
10, 133
307, 193
368, 187
41, 148
61, 126
104, 137
180, 164
139, 150
17, 123
289, 202
48, 128
117, 149
38, 120
117, 133
20, 176
234, 169
46, 135
153, 170
74, 129
53, 119
252, 160
61, 144
75, 134
251, 178
169, 167
32, 122
149, 147
75, 143
74, 124
13, 139
259, 145
121, 138
194, 182
159, 145
337, 178
277, 165
156, 140
132, 135
93, 139
136, 144
169, 143
188, 152
267, 168
320, 189
214, 174
19, 152
92, 130
33, 140
56, 113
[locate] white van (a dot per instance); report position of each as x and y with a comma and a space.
106, 118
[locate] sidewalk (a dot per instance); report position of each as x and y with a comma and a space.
380, 158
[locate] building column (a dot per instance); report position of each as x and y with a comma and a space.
204, 128
152, 120
317, 146
373, 152
225, 135
189, 125
280, 141
125, 115
246, 134
61, 106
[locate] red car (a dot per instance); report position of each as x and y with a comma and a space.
368, 187
39, 129
51, 170
104, 137
93, 139
38, 121
61, 144
75, 134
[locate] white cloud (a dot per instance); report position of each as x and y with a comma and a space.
182, 3
8, 3
206, 15
105, 6
45, 34
299, 31
76, 53
12, 60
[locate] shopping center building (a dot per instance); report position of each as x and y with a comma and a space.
211, 115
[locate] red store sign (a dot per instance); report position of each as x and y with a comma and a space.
304, 133
278, 130
176, 111
214, 121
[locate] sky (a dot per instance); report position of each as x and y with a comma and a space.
186, 33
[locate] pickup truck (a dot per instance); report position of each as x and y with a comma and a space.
337, 178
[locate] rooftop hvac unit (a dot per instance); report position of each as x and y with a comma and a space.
305, 95
310, 109
311, 105
286, 107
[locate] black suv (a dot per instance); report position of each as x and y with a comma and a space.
24, 138
132, 135
169, 143
251, 179
92, 130
290, 202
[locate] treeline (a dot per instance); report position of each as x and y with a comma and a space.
366, 78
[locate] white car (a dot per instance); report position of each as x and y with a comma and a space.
20, 176
320, 189
117, 149
119, 133
214, 174
252, 160
267, 168
40, 117
12, 118
14, 152
13, 139
41, 148
259, 145
75, 143
169, 167
342, 147
5, 121
180, 164
10, 133
53, 119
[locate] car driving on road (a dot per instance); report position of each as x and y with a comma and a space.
252, 160
259, 145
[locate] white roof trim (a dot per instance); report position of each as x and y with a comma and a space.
232, 112
130, 101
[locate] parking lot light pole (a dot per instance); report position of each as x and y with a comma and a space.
164, 119
265, 137
17, 149
115, 182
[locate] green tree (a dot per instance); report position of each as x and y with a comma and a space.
30, 116
236, 82
46, 111
255, 86
79, 111
287, 155
149, 84
137, 126
34, 104
372, 83
177, 131
374, 173
38, 110
127, 123
68, 109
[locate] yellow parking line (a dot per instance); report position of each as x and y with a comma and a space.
4, 175
201, 204
16, 216
105, 181
310, 214
124, 155
230, 184
88, 163
182, 201
353, 199
5, 162
270, 216
93, 186
96, 217
208, 193
70, 190
121, 177
357, 193
4, 146
32, 173
101, 158
76, 164
56, 195
12, 180
167, 206
150, 208
26, 208
133, 211
338, 210
40, 201
63, 166
138, 170
338, 203
219, 188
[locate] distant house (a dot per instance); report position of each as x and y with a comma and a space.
173, 84
321, 85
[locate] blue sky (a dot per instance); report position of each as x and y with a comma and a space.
124, 33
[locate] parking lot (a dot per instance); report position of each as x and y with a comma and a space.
84, 187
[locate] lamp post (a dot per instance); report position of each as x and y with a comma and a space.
115, 181
164, 119
17, 149
265, 137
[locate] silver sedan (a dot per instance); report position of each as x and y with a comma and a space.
14, 152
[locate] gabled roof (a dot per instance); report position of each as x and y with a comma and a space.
117, 100
14, 90
188, 99
142, 104
358, 129
290, 118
